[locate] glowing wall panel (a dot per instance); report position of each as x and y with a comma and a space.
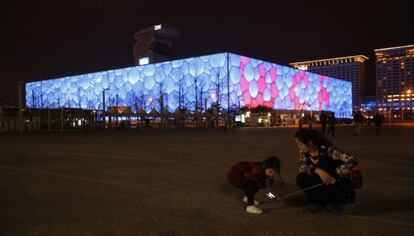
226, 78
181, 82
257, 83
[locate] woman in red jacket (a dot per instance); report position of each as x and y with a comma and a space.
252, 176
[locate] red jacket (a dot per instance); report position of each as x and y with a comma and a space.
244, 171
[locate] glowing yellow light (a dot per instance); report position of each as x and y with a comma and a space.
302, 67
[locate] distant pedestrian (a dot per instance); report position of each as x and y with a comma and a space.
378, 119
331, 124
251, 176
358, 119
323, 119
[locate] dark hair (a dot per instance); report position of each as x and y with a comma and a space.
307, 135
271, 162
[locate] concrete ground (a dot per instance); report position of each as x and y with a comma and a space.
174, 183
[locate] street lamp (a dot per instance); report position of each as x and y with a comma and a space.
213, 96
103, 100
407, 97
103, 108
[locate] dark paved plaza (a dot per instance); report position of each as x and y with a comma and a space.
173, 182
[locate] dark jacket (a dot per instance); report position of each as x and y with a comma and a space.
323, 118
377, 120
245, 171
358, 118
331, 120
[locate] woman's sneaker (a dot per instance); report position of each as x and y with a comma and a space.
252, 209
255, 202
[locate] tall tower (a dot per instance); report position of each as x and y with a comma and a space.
395, 81
153, 44
350, 68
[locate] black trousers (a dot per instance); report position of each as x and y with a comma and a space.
250, 189
331, 129
339, 193
323, 127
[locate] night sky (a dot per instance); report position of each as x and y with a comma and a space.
49, 39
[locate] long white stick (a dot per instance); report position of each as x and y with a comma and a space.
272, 196
302, 190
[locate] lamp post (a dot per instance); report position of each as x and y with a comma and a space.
103, 99
103, 106
402, 107
407, 98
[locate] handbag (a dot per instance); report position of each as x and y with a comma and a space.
355, 176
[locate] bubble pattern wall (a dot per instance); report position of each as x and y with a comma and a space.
225, 78
258, 83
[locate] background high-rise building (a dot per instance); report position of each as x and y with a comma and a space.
350, 68
395, 80
153, 44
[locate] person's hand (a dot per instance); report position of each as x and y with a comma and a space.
325, 177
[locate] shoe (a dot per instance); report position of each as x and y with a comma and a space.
254, 210
337, 209
312, 208
255, 202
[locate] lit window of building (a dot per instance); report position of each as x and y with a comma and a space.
399, 62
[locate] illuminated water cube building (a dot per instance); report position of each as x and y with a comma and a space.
223, 80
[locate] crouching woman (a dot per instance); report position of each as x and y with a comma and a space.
321, 162
253, 176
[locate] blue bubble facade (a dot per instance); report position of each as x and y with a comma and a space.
227, 79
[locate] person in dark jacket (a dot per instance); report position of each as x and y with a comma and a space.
331, 124
358, 120
253, 176
321, 162
323, 118
378, 123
